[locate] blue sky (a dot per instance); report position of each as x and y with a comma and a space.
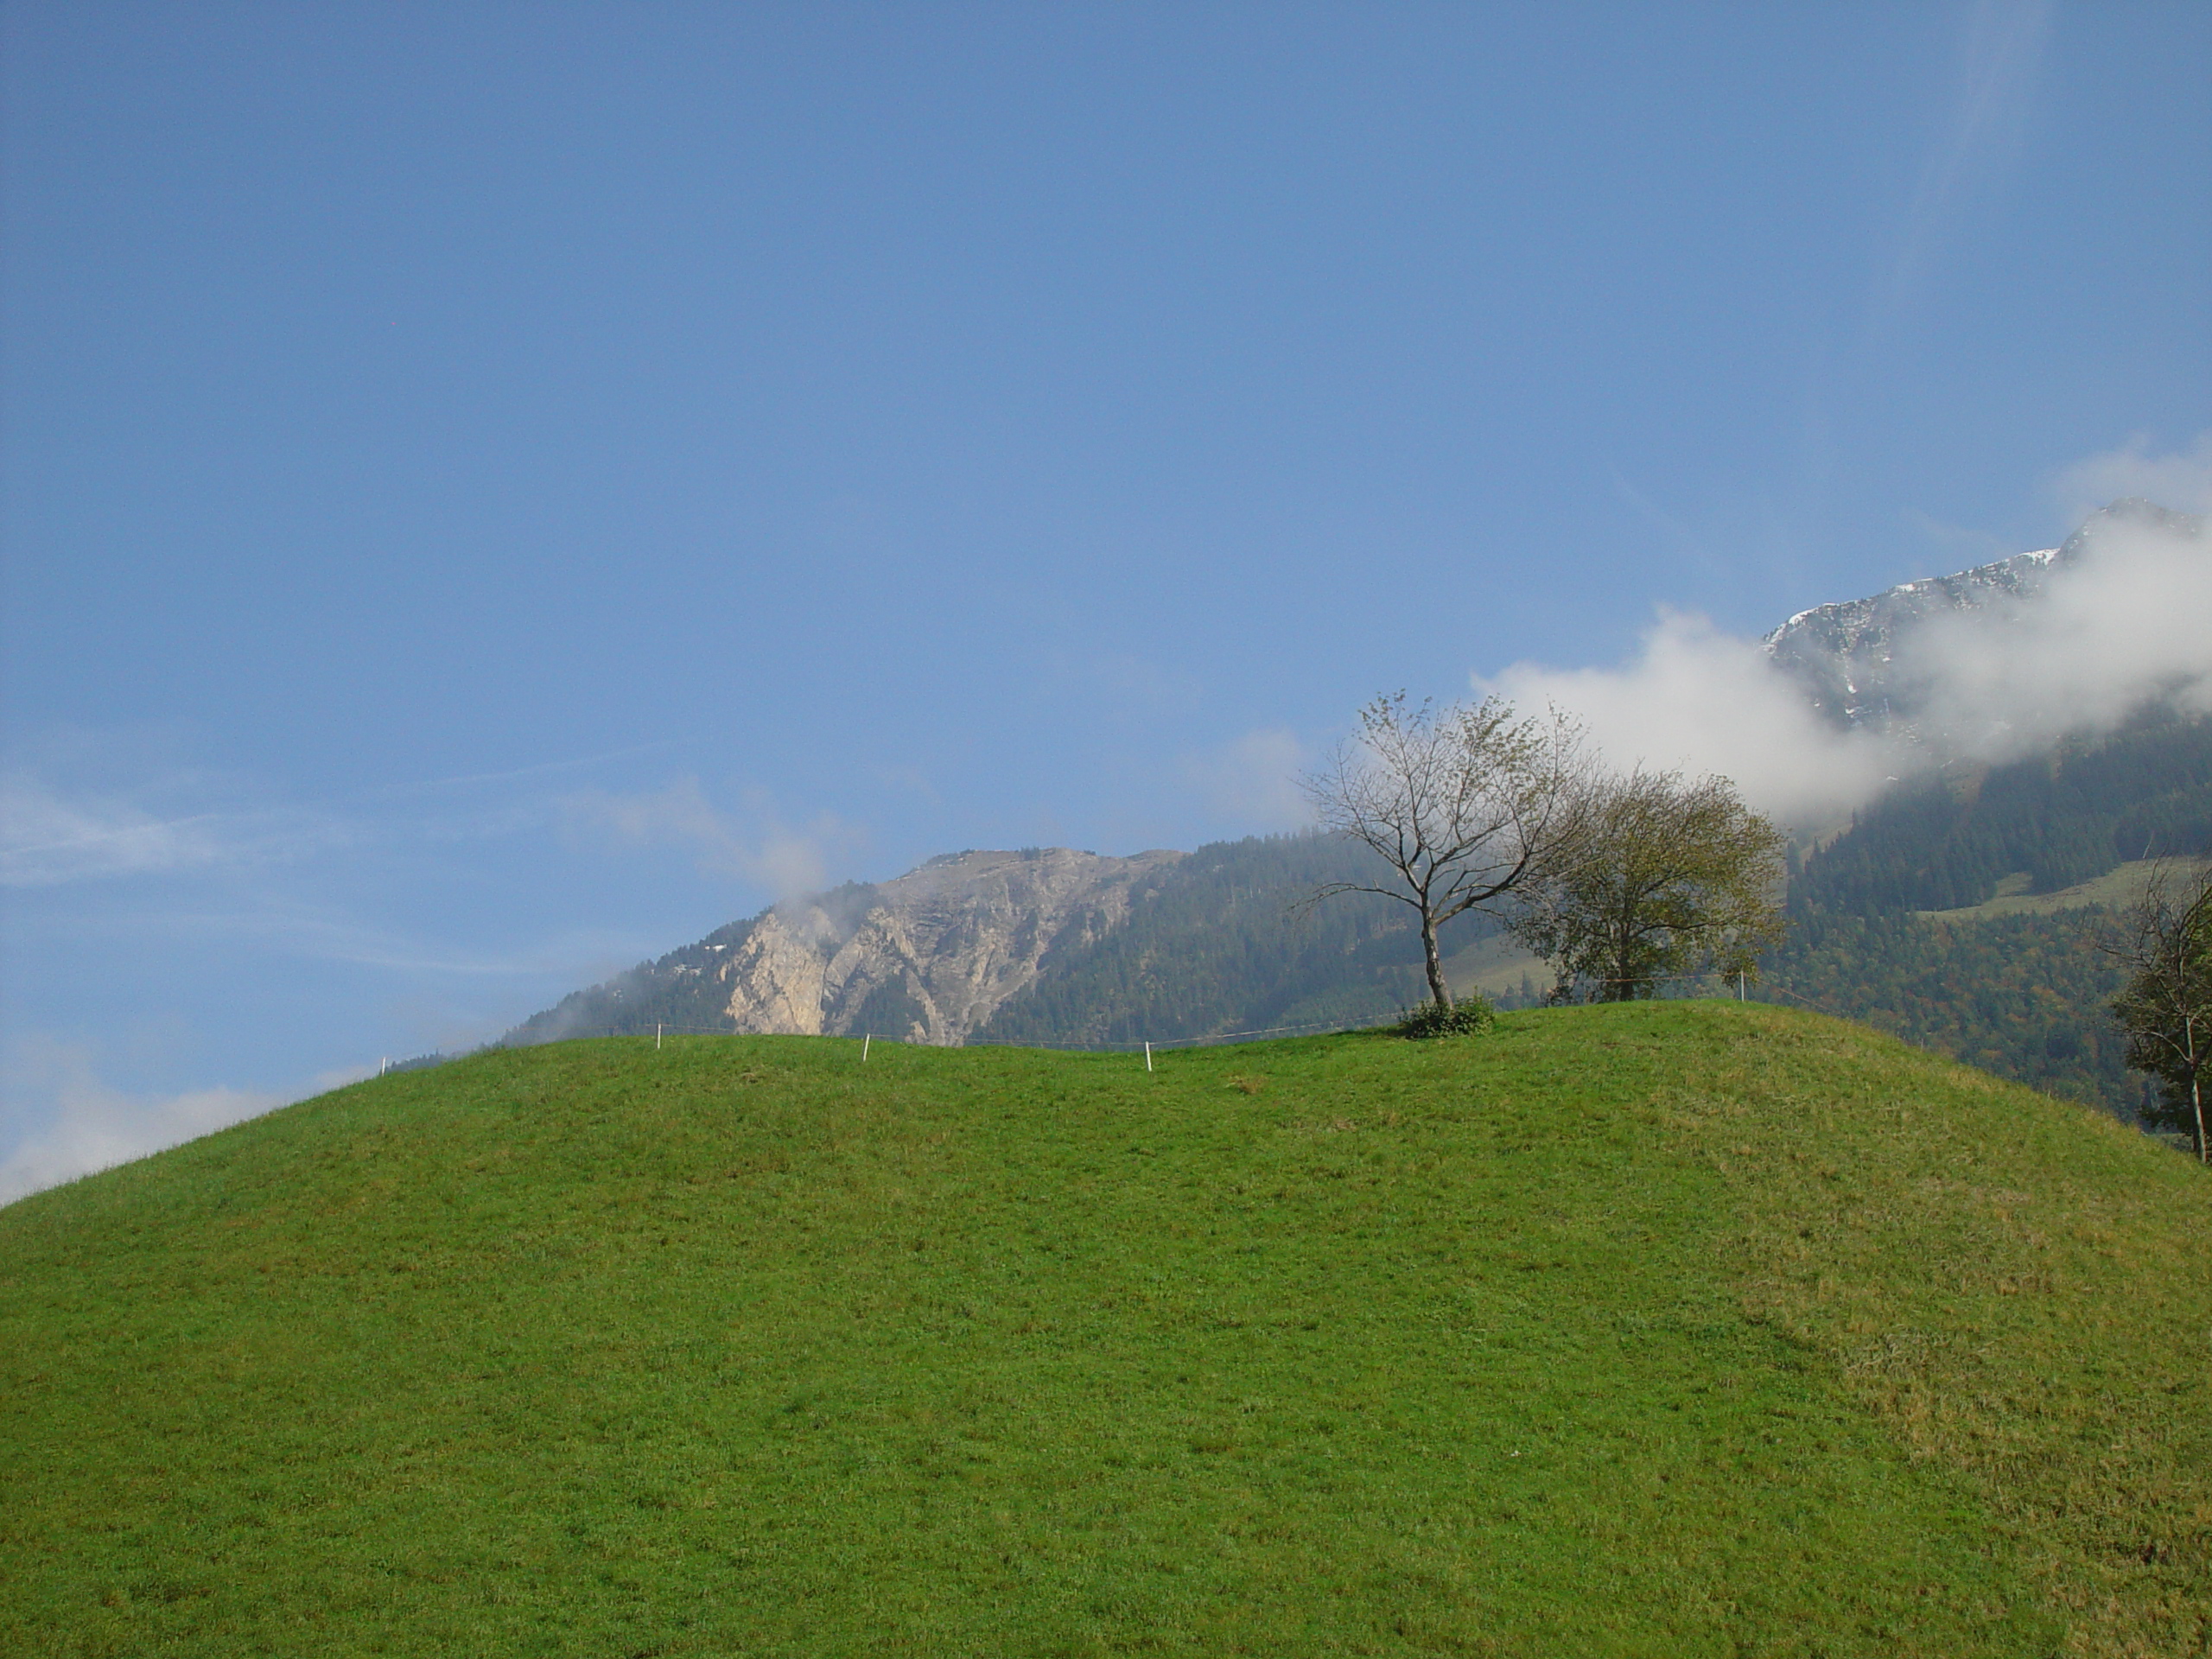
492, 492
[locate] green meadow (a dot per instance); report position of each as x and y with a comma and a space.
1670, 1329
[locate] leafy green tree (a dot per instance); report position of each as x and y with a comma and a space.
1465, 806
2166, 940
1665, 877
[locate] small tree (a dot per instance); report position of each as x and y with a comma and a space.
1465, 805
2165, 939
1667, 877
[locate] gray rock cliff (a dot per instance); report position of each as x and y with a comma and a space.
929, 956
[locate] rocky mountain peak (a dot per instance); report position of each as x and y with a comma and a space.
928, 956
1847, 654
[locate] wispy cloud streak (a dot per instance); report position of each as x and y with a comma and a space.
2001, 48
786, 859
49, 838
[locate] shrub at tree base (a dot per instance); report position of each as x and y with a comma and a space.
1470, 1014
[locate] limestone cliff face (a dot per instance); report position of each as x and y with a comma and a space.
928, 957
776, 979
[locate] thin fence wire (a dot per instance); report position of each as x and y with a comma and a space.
1108, 1045
1723, 984
1810, 1002
1759, 990
1131, 1046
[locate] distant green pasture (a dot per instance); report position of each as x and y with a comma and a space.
1668, 1329
2115, 890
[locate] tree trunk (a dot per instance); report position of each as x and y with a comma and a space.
2197, 1089
1434, 961
1617, 988
1620, 988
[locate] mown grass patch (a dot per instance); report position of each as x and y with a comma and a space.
1667, 1329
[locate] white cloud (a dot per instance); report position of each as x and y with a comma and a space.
85, 1125
1708, 702
787, 861
2132, 622
2182, 481
1253, 780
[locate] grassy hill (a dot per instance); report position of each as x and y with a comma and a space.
2024, 995
1667, 1329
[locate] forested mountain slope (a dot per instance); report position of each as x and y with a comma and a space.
1230, 939
1946, 841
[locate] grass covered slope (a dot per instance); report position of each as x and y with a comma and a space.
1671, 1329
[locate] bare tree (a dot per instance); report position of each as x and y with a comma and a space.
1465, 805
2165, 939
1667, 877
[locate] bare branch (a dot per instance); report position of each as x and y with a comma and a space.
1465, 805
